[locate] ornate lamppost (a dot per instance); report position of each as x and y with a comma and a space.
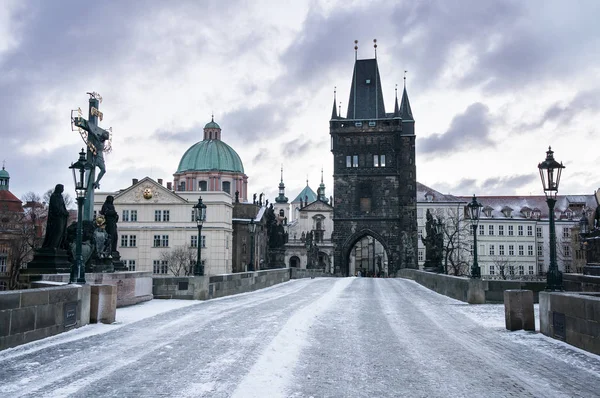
252, 230
81, 185
474, 208
200, 215
550, 171
438, 227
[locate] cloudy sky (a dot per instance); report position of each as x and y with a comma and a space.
491, 84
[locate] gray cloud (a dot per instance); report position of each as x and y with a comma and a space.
297, 148
510, 183
469, 130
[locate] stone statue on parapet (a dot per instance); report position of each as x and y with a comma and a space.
56, 227
112, 217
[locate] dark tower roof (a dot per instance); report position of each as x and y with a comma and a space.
366, 97
405, 111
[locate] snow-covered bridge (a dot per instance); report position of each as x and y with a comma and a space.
328, 337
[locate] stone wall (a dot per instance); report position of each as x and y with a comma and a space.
208, 287
132, 286
572, 317
33, 314
581, 283
474, 291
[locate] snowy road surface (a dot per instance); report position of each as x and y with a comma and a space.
329, 337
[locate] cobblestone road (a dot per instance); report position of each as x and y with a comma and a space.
352, 337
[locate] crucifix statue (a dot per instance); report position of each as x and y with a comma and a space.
98, 142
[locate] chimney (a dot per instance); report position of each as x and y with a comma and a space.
169, 186
160, 181
134, 181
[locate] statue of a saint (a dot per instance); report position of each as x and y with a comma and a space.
102, 239
58, 215
112, 217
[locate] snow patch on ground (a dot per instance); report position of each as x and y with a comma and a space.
270, 375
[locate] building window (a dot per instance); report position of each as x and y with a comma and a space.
521, 250
511, 269
378, 160
157, 215
125, 216
193, 219
124, 240
566, 232
160, 267
166, 215
521, 270
511, 250
567, 250
501, 250
3, 266
182, 186
194, 241
227, 187
348, 161
520, 230
420, 233
538, 232
531, 270
501, 230
133, 215
203, 240
492, 270
131, 265
530, 250
540, 250
156, 240
355, 161
481, 229
490, 230
492, 250
511, 230
530, 230
165, 241
203, 186
132, 240
420, 255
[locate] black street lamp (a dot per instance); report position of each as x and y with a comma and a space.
252, 230
474, 210
550, 171
438, 227
81, 185
200, 215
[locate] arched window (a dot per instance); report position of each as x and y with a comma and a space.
203, 186
227, 187
182, 186
281, 213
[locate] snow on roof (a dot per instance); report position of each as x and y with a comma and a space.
436, 197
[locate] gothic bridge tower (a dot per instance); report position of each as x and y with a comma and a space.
374, 179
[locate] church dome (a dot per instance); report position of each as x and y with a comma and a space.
212, 125
4, 173
210, 155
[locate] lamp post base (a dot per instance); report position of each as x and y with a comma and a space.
554, 280
475, 271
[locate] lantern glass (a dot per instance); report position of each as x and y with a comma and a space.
200, 212
252, 226
474, 210
550, 172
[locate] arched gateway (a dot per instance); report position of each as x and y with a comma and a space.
374, 173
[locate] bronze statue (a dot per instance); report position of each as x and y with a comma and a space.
58, 215
112, 217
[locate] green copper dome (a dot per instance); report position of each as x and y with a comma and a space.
212, 125
210, 155
4, 173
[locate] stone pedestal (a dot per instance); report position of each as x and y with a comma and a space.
518, 310
103, 303
118, 265
276, 258
48, 261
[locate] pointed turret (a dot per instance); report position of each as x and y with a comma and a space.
281, 198
405, 111
396, 107
321, 191
334, 114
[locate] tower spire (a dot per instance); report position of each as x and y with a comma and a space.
281, 198
396, 107
334, 110
405, 110
375, 47
321, 191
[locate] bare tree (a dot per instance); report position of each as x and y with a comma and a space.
456, 249
22, 233
502, 264
180, 260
